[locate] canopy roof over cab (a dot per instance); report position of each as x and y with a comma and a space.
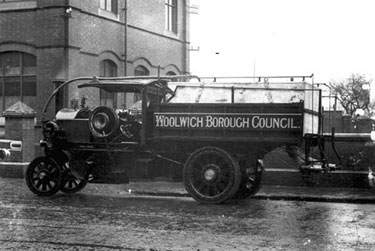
155, 84
131, 85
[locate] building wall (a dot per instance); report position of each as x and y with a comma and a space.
148, 43
38, 31
69, 45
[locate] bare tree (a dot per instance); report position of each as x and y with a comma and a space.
353, 94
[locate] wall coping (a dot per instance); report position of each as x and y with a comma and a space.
19, 109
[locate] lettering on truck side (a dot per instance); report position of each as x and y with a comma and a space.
235, 121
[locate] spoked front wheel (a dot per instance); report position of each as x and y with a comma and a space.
211, 175
71, 184
43, 176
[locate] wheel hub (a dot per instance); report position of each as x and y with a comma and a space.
42, 175
211, 173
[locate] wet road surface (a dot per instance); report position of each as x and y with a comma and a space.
107, 217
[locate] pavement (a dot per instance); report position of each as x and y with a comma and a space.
348, 187
299, 193
177, 189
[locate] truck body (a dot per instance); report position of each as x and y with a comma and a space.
218, 132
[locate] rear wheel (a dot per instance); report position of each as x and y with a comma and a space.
43, 176
211, 175
252, 171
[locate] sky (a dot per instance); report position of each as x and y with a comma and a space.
328, 38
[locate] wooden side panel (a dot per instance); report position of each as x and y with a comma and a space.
229, 122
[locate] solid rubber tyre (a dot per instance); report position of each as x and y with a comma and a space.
251, 180
71, 184
211, 175
43, 176
109, 116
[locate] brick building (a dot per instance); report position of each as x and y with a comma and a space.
44, 42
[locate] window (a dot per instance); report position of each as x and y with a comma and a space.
171, 15
17, 77
109, 5
171, 73
140, 71
107, 69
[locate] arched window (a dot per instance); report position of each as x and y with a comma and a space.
140, 71
107, 69
17, 78
172, 73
